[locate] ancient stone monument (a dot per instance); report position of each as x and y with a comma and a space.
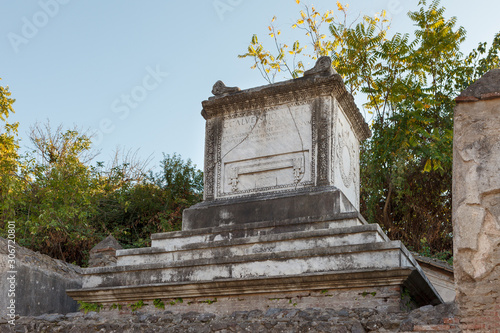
279, 225
280, 152
476, 203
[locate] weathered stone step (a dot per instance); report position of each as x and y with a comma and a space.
178, 239
381, 255
269, 243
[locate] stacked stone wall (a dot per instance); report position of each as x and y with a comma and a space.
439, 318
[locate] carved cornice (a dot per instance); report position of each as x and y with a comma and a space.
224, 287
288, 92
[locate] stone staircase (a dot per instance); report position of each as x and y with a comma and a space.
264, 239
341, 252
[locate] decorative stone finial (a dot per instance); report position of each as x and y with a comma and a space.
322, 67
220, 89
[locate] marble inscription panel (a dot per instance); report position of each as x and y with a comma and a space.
266, 149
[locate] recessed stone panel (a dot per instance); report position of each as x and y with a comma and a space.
345, 156
264, 150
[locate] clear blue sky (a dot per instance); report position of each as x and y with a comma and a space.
74, 62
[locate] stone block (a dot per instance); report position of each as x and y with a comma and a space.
318, 203
476, 198
281, 138
265, 243
265, 264
178, 239
104, 253
40, 284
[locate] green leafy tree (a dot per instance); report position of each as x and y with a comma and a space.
56, 206
9, 157
182, 185
155, 204
409, 84
63, 205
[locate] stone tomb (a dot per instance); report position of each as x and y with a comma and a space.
279, 144
279, 225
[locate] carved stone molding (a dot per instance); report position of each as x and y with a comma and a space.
333, 142
289, 92
212, 130
296, 166
323, 142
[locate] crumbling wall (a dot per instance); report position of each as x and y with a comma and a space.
104, 253
476, 204
37, 283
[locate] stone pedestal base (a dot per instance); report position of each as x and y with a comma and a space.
309, 204
269, 260
380, 290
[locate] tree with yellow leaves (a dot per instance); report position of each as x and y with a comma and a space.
8, 155
409, 86
312, 22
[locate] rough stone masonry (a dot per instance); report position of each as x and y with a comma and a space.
476, 204
273, 320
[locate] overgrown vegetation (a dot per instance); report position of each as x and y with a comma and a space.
63, 205
159, 304
87, 307
137, 305
409, 83
175, 301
